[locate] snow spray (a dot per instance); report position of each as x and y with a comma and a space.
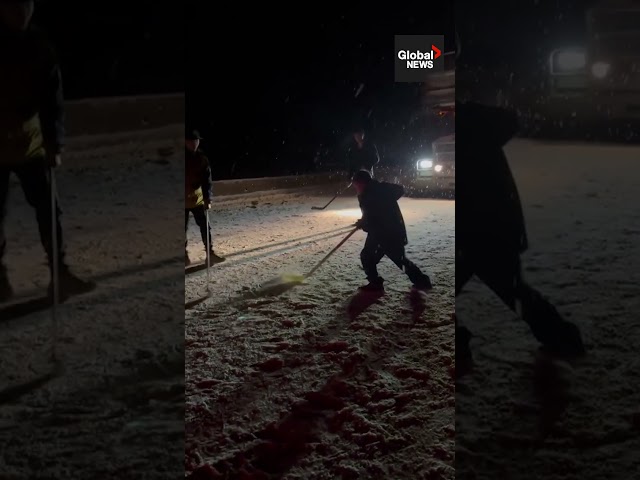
286, 281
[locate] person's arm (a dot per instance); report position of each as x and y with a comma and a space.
375, 155
207, 185
363, 223
392, 191
52, 113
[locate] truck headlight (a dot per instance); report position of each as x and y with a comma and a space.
424, 164
568, 61
438, 168
600, 69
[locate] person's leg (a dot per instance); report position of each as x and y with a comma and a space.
200, 215
501, 273
397, 255
6, 291
419, 279
187, 261
547, 325
36, 185
464, 355
370, 256
504, 277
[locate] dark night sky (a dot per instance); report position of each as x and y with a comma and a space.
285, 81
501, 31
506, 45
116, 47
271, 92
282, 83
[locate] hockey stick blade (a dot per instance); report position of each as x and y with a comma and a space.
322, 208
334, 197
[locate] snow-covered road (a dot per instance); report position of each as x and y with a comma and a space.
117, 410
523, 418
314, 381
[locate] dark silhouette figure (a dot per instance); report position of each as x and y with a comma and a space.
362, 155
490, 229
387, 234
198, 193
32, 135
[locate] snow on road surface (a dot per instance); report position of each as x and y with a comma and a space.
117, 409
522, 417
313, 381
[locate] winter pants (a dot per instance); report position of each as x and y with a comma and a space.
373, 252
502, 274
200, 216
34, 179
499, 272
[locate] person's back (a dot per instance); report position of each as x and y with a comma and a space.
27, 63
197, 177
489, 212
362, 155
381, 213
26, 60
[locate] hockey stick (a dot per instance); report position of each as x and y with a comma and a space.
336, 196
55, 277
335, 249
208, 253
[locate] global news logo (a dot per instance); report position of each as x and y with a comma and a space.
418, 56
420, 59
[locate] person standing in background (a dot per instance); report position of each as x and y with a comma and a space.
31, 134
198, 193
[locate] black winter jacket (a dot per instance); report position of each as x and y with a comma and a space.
381, 215
488, 211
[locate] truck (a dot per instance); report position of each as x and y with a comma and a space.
595, 85
439, 171
435, 170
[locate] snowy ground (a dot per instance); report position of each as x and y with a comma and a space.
307, 382
519, 417
117, 409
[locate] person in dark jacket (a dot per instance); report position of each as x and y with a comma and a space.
198, 193
387, 234
363, 154
490, 228
31, 132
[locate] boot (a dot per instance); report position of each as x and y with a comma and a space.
374, 286
6, 291
213, 258
424, 284
70, 285
556, 335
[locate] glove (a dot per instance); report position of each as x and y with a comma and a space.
207, 205
53, 160
359, 224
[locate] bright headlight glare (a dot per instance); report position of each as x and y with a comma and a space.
424, 164
438, 168
600, 69
570, 60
